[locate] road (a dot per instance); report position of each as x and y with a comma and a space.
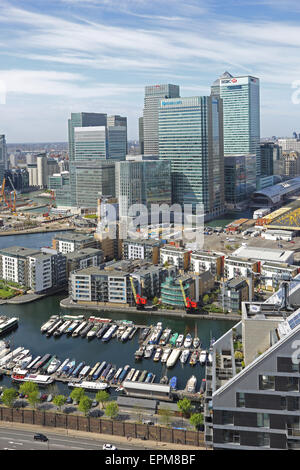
15, 439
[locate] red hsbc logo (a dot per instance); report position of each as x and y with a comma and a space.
234, 80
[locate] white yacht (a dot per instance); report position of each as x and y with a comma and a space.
184, 356
54, 365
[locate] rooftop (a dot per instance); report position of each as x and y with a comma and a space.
19, 251
263, 254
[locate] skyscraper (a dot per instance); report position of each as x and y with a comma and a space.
191, 137
94, 140
118, 121
241, 115
153, 95
141, 135
142, 182
3, 157
42, 170
80, 120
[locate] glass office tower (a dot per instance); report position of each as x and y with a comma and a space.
191, 138
240, 177
153, 95
142, 182
80, 120
241, 115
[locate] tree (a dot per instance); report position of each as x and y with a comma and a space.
8, 396
102, 396
165, 416
59, 400
184, 406
112, 410
34, 398
77, 394
196, 420
85, 405
28, 387
205, 299
155, 301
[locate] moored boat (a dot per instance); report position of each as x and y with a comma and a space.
172, 359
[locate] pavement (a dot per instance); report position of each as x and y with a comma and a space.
16, 436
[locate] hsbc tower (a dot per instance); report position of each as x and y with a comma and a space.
241, 115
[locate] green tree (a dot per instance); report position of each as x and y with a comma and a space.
102, 397
77, 394
28, 387
8, 396
184, 406
112, 410
85, 405
34, 398
165, 417
155, 301
59, 401
205, 299
196, 420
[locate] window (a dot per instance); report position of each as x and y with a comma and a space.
240, 400
231, 437
263, 439
227, 417
266, 382
292, 384
263, 420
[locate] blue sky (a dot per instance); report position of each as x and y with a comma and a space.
63, 56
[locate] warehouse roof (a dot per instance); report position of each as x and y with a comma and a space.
264, 254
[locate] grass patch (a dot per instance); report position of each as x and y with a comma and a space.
7, 293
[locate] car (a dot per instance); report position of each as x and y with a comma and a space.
149, 422
21, 395
109, 447
40, 437
69, 400
95, 403
44, 397
50, 398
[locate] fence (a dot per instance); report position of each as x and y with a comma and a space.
103, 426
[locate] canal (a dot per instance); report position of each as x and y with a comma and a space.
33, 315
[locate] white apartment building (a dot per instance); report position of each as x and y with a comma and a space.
202, 261
40, 272
176, 256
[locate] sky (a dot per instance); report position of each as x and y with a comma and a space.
63, 56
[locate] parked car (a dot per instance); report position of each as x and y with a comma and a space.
44, 397
95, 403
69, 400
109, 447
40, 437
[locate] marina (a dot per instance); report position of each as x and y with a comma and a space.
118, 353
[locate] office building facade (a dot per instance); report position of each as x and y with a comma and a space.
191, 138
271, 159
241, 115
142, 182
153, 95
239, 177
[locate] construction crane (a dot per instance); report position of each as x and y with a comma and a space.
12, 205
190, 305
139, 300
2, 191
